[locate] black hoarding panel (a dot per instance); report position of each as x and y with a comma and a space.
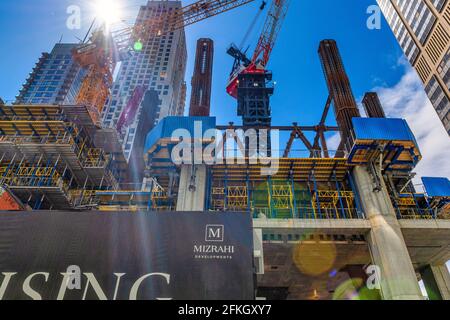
164, 255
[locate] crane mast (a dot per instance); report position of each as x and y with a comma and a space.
98, 57
249, 82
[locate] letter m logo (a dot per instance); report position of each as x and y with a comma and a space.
214, 233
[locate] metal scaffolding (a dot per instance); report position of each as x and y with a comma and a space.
48, 158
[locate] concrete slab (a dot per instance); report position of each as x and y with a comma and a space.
428, 241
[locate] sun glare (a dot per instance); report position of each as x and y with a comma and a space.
107, 10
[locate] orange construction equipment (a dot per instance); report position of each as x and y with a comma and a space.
99, 57
8, 202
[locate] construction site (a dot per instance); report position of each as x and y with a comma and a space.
324, 224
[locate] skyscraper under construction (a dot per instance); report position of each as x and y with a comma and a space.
422, 28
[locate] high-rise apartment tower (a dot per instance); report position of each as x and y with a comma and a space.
422, 28
160, 65
55, 79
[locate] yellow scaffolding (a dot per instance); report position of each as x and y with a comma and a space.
218, 198
55, 132
408, 208
134, 200
282, 196
329, 202
94, 158
237, 198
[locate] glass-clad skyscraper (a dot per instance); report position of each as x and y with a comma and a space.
55, 79
422, 28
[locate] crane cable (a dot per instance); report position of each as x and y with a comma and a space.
252, 25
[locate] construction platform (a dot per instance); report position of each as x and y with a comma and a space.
389, 139
49, 158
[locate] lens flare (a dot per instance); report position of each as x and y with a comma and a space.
138, 46
107, 11
314, 259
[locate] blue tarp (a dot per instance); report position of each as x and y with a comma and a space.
382, 129
436, 187
167, 126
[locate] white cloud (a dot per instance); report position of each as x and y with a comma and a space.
334, 141
407, 99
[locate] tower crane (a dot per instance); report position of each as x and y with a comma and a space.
99, 55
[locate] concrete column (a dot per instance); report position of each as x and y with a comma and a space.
192, 188
387, 246
437, 282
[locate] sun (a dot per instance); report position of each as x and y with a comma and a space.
107, 11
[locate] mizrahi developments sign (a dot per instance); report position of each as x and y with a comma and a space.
98, 255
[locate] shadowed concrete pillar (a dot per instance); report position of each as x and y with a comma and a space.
437, 282
386, 243
192, 188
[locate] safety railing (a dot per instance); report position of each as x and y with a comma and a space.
36, 177
61, 139
79, 198
94, 158
35, 117
58, 139
305, 213
416, 213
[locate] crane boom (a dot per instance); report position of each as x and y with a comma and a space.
263, 50
188, 15
204, 9
272, 27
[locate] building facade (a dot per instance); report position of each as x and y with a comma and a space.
422, 28
55, 79
160, 65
